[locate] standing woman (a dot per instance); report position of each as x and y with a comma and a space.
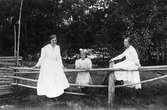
83, 78
83, 63
52, 80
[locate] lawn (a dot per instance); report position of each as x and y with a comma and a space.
152, 96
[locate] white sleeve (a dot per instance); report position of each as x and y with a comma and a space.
89, 64
77, 64
135, 57
59, 57
119, 56
40, 60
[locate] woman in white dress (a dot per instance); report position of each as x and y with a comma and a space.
83, 63
131, 62
52, 80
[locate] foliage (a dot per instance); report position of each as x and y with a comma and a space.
87, 24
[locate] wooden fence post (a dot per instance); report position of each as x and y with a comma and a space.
111, 89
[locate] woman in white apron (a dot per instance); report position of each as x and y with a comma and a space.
83, 78
83, 63
52, 80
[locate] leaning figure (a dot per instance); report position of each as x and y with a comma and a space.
131, 62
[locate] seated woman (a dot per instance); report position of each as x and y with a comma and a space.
83, 63
131, 62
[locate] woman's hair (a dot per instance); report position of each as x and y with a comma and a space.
52, 36
77, 56
83, 51
129, 39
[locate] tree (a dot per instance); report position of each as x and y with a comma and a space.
89, 24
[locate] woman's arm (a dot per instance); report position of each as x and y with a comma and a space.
41, 58
135, 57
77, 65
118, 57
59, 57
89, 64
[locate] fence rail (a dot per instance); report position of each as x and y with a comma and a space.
5, 82
143, 68
9, 60
17, 71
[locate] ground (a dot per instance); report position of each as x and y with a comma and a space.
125, 99
152, 96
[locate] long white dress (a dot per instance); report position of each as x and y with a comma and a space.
130, 63
83, 77
52, 80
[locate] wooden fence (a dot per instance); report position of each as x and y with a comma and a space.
27, 77
5, 87
9, 61
5, 82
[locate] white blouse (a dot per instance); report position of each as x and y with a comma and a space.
83, 64
50, 53
130, 54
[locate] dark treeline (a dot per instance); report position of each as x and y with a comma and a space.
87, 24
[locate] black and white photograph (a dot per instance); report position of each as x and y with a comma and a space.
83, 54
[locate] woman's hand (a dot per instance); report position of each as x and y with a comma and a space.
64, 67
138, 65
34, 67
111, 64
111, 60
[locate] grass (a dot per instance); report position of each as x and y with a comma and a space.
152, 96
